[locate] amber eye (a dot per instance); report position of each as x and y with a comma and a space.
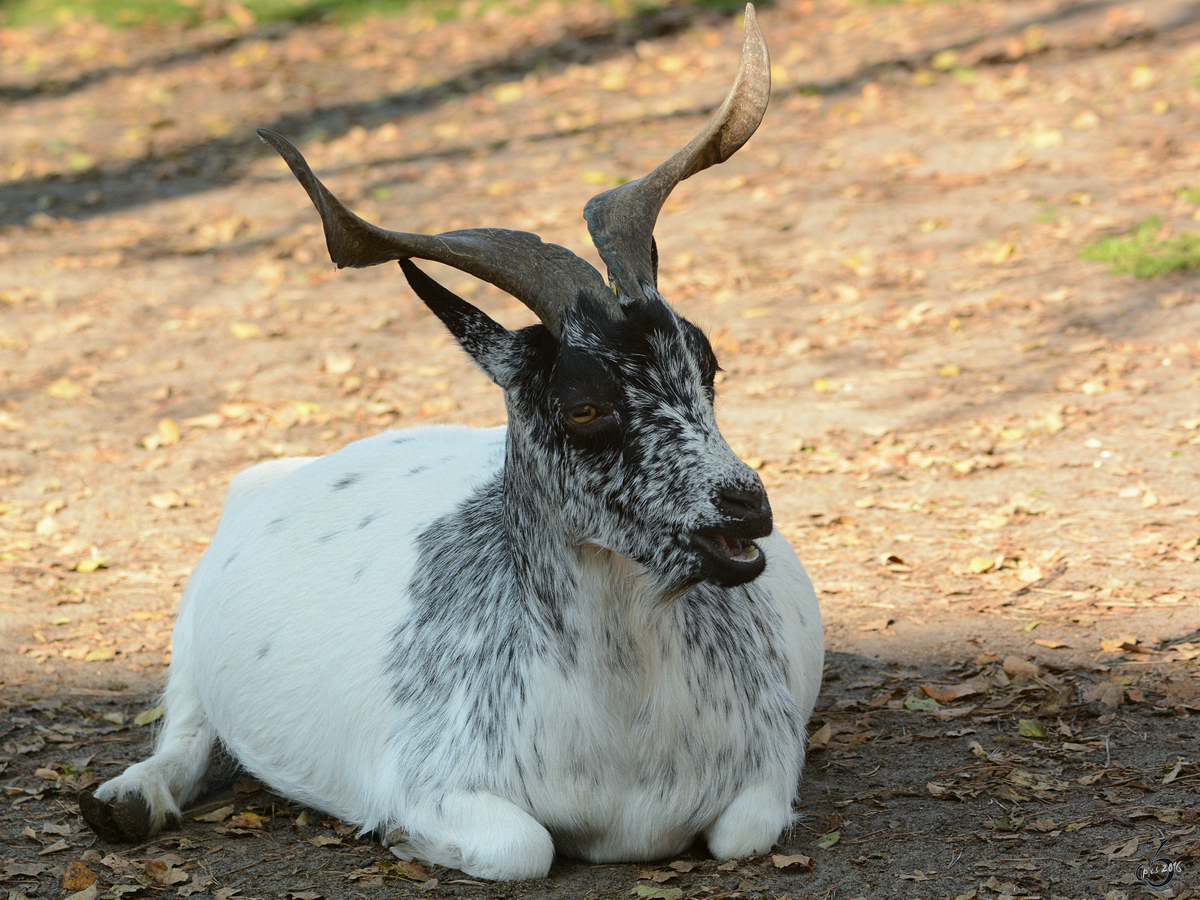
583, 413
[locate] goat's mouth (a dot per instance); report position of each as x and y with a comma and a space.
727, 547
728, 559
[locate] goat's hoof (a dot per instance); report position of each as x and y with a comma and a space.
124, 820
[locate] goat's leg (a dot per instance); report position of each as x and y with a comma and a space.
481, 834
147, 796
752, 823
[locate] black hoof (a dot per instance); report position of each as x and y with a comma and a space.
127, 820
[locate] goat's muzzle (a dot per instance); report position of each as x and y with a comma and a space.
731, 556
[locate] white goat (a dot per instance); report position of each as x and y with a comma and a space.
576, 632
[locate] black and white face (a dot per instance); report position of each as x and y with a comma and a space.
615, 422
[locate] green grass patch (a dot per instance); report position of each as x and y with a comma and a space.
1190, 194
1142, 253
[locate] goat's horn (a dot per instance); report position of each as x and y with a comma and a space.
547, 278
621, 221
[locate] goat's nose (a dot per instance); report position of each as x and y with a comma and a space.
743, 502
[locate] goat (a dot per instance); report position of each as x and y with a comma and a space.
576, 632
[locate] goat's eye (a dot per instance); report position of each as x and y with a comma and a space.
583, 413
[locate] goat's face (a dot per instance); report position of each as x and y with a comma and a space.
615, 422
610, 400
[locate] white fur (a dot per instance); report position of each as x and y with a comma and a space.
276, 656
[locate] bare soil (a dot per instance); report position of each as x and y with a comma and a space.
986, 450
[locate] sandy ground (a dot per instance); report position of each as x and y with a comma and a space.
984, 448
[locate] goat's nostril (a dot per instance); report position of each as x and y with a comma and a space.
742, 502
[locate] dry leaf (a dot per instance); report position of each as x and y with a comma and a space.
196, 885
91, 563
1015, 665
166, 500
252, 821
1106, 692
147, 716
65, 389
168, 432
950, 693
1122, 849
244, 330
1174, 773
339, 363
1114, 645
77, 876
217, 815
208, 420
780, 861
981, 564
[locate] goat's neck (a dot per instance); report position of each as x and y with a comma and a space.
575, 582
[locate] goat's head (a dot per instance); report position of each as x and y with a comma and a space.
610, 399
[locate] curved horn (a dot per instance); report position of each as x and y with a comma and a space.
621, 221
547, 278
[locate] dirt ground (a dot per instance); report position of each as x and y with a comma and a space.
985, 449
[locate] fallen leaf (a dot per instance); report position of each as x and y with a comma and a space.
780, 861
31, 869
168, 432
1015, 665
339, 363
1174, 773
658, 876
980, 564
65, 389
77, 876
949, 694
244, 330
920, 704
149, 715
1125, 642
1008, 823
208, 420
1031, 728
91, 564
217, 815
828, 839
166, 500
161, 871
249, 820
1111, 695
196, 885
1122, 849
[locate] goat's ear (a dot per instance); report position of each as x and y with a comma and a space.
486, 341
